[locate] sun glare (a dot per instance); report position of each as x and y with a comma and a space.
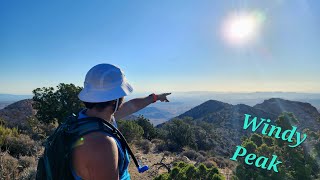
241, 28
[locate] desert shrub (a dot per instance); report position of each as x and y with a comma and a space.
184, 159
8, 166
201, 158
21, 145
28, 173
161, 147
16, 144
209, 164
27, 161
217, 177
184, 171
145, 145
39, 130
234, 177
156, 141
2, 122
162, 177
166, 153
203, 153
221, 162
191, 154
7, 132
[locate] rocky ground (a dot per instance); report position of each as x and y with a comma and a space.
154, 161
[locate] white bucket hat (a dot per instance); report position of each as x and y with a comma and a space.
104, 82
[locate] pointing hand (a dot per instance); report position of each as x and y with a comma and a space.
163, 97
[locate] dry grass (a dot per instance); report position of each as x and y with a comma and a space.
8, 166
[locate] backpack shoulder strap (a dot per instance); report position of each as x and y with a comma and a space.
102, 125
88, 125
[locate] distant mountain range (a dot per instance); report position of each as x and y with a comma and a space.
228, 119
214, 111
181, 102
7, 99
12, 98
155, 114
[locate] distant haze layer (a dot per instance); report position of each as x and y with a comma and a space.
181, 102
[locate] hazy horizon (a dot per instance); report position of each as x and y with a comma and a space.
221, 92
183, 101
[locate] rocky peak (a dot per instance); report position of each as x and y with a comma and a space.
206, 108
305, 112
18, 112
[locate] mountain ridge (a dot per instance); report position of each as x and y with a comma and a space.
227, 119
304, 112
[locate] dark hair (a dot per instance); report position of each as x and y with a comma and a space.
101, 105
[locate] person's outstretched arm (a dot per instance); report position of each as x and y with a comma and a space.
135, 105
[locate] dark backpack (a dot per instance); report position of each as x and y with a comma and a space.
55, 162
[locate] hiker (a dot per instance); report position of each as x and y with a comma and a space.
99, 155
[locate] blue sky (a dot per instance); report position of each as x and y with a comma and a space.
160, 45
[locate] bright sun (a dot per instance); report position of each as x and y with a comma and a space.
240, 29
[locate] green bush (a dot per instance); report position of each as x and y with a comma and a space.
149, 132
184, 171
130, 130
296, 162
52, 105
162, 177
7, 132
180, 134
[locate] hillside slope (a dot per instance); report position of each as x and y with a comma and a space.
18, 112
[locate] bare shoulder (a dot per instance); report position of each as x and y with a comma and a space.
98, 139
96, 157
